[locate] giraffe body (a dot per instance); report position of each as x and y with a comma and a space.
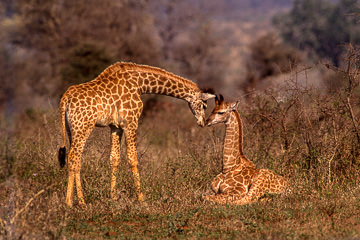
113, 99
240, 182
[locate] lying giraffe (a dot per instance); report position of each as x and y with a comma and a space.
240, 182
113, 99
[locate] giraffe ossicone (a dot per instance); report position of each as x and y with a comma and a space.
239, 182
113, 99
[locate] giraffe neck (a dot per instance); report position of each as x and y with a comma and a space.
153, 80
233, 155
167, 84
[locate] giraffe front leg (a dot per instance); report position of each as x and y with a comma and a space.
116, 134
257, 189
133, 161
216, 183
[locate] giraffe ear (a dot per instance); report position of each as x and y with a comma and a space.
234, 105
221, 98
206, 96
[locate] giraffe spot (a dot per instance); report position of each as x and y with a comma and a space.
152, 83
180, 85
140, 81
151, 78
104, 100
146, 81
239, 178
114, 89
136, 74
126, 105
91, 93
144, 75
168, 84
106, 81
126, 75
103, 83
121, 77
173, 87
115, 80
125, 97
231, 181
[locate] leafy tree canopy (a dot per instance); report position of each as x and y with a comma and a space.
321, 27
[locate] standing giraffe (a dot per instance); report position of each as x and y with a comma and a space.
113, 99
240, 182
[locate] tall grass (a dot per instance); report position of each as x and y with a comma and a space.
305, 134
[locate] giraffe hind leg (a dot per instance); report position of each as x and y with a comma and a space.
116, 134
74, 167
267, 182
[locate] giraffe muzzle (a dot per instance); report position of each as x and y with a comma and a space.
201, 122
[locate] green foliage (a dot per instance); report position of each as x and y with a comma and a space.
85, 62
321, 27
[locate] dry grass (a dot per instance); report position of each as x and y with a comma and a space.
305, 136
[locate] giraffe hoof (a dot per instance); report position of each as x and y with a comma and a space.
141, 197
82, 203
69, 203
114, 196
207, 198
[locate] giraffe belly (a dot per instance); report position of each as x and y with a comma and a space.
114, 118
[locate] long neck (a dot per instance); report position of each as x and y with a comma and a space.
151, 80
233, 145
167, 84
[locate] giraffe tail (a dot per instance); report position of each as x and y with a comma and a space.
61, 156
62, 149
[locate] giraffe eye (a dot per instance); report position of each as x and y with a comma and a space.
221, 113
204, 106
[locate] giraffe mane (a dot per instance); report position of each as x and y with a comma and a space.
121, 66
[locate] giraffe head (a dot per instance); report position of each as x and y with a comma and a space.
221, 112
198, 105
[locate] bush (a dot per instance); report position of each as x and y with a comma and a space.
321, 27
85, 62
269, 57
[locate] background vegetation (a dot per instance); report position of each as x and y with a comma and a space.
299, 86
